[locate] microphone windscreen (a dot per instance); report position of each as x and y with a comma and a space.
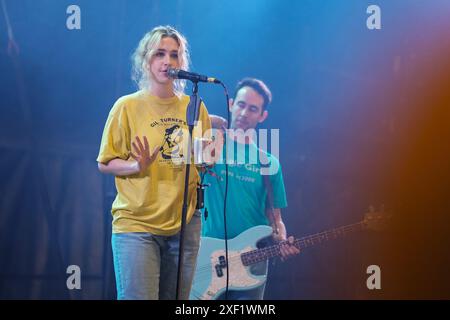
172, 73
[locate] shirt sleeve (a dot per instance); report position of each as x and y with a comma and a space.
116, 135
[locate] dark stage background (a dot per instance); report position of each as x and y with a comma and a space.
363, 117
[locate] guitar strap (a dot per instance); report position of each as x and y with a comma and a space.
269, 200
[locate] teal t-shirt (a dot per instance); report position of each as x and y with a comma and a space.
246, 199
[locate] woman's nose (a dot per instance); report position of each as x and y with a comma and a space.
166, 59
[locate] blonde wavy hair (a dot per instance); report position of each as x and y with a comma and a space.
145, 50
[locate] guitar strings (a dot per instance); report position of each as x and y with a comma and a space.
303, 242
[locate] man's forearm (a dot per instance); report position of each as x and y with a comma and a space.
119, 167
277, 223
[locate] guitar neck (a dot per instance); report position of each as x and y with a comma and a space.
258, 255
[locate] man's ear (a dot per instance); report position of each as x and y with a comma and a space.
263, 117
230, 103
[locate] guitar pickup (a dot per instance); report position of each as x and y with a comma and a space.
222, 262
219, 271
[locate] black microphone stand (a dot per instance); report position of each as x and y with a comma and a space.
192, 114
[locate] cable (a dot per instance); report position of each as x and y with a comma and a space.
226, 194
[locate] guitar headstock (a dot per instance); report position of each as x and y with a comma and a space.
376, 220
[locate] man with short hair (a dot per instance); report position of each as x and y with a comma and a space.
249, 189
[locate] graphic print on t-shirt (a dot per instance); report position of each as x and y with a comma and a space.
171, 146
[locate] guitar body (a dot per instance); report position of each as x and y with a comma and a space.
210, 275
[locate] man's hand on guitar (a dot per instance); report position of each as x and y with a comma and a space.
288, 248
287, 245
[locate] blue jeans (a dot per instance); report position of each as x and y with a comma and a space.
146, 265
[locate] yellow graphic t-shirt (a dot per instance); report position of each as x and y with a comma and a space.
152, 201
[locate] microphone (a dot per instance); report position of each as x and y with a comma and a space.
191, 76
